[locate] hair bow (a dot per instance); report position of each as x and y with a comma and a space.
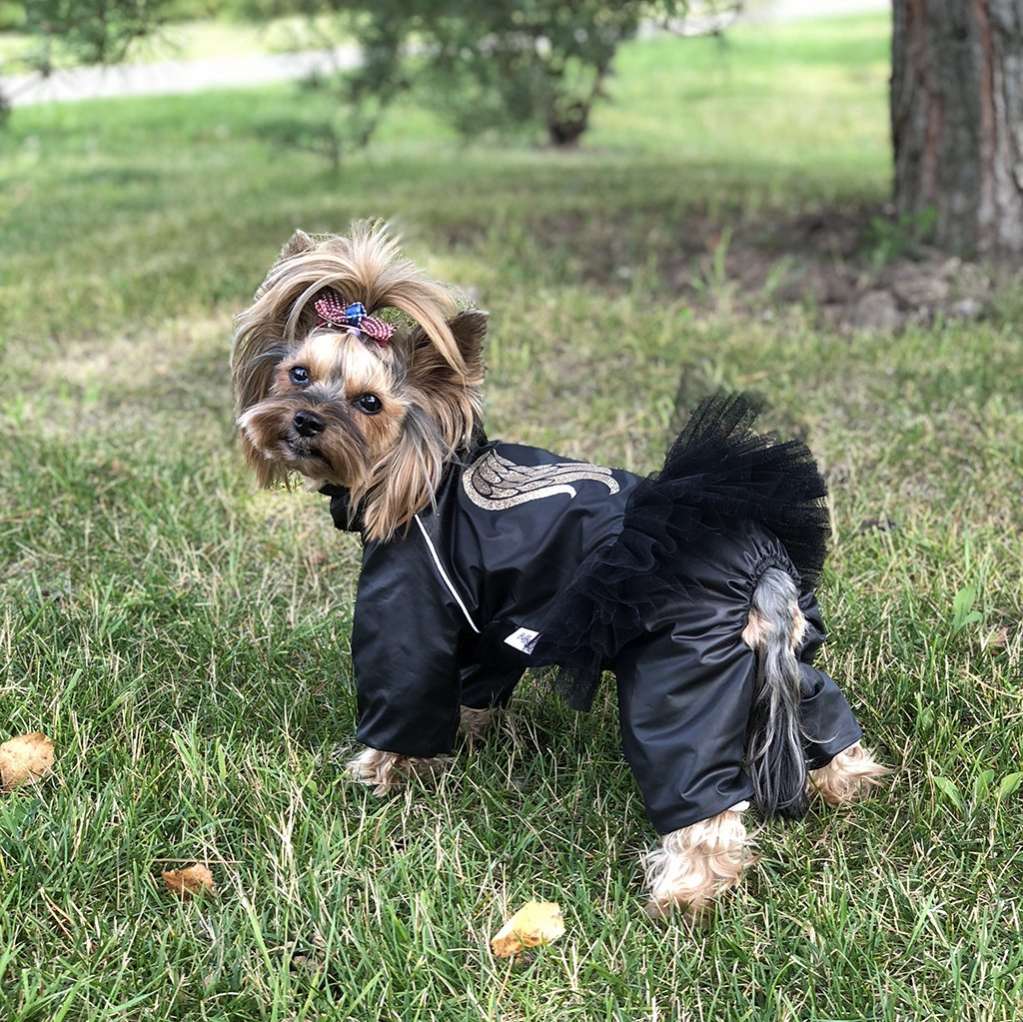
333, 310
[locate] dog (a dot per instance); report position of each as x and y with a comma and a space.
482, 559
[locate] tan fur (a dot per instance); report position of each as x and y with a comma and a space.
404, 480
697, 863
755, 632
848, 777
384, 772
401, 482
757, 629
339, 359
798, 627
475, 723
341, 368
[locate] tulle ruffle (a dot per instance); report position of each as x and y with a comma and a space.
719, 472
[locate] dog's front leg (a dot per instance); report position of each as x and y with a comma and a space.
485, 693
474, 723
386, 771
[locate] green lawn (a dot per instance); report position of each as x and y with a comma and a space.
183, 638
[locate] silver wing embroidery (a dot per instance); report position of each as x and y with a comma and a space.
494, 483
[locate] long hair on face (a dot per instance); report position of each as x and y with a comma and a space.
435, 363
444, 411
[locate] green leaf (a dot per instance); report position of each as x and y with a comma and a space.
1009, 785
963, 613
949, 790
982, 785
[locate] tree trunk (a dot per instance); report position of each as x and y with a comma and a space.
568, 125
957, 121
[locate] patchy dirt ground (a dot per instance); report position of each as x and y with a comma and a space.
858, 268
859, 272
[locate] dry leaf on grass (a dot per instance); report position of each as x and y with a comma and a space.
25, 760
537, 922
190, 881
996, 640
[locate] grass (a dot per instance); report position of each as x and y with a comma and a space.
184, 639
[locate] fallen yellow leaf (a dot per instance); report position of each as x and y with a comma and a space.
537, 922
190, 881
25, 760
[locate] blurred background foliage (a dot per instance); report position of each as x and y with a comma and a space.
504, 67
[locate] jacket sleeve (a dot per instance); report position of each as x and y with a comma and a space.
405, 642
828, 724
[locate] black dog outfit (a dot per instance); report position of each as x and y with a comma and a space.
528, 559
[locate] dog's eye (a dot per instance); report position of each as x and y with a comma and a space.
298, 375
368, 403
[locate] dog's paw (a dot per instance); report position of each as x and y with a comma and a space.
696, 864
848, 777
377, 770
386, 771
475, 723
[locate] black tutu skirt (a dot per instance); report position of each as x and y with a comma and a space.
718, 474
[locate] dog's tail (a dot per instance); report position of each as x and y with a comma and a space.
774, 743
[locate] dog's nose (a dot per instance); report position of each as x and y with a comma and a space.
308, 423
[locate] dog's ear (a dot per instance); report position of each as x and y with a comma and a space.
258, 343
429, 370
450, 397
469, 329
298, 242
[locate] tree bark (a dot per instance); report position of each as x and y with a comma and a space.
957, 121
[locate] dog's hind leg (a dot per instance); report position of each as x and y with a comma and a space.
683, 720
841, 769
697, 863
849, 776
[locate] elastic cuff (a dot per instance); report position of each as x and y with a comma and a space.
666, 823
825, 752
407, 749
772, 560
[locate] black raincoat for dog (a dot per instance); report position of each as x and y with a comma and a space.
528, 559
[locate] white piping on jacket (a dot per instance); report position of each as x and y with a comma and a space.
444, 574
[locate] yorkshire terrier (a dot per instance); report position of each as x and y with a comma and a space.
481, 559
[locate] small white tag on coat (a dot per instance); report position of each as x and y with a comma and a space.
523, 639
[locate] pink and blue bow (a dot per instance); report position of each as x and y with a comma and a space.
334, 310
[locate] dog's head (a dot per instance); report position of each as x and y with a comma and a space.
327, 389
